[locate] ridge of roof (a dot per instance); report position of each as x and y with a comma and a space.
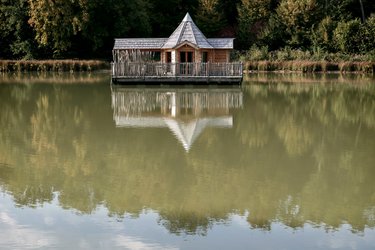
187, 30
187, 18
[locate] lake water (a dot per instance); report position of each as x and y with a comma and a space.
282, 162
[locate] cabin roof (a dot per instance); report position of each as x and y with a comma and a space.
139, 43
187, 31
221, 43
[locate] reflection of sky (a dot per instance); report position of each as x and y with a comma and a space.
50, 226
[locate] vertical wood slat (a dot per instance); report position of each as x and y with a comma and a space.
180, 69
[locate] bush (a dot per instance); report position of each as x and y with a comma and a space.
257, 54
347, 36
322, 35
367, 35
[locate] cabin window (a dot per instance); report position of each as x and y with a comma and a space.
156, 56
186, 57
205, 56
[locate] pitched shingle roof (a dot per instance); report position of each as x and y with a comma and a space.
139, 43
221, 43
187, 31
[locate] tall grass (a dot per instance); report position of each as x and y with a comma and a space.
310, 66
52, 65
287, 59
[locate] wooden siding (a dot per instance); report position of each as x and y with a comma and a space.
221, 56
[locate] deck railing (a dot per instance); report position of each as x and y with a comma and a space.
149, 69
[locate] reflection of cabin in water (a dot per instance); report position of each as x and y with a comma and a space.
187, 56
185, 112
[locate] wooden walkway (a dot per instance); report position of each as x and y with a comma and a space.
177, 73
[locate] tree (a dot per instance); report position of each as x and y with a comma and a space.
56, 22
368, 35
322, 35
252, 19
229, 8
16, 37
298, 16
209, 18
127, 19
347, 36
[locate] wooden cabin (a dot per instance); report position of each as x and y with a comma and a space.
187, 56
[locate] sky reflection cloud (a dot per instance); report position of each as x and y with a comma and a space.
134, 243
16, 236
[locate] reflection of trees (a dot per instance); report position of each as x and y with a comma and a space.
297, 153
189, 222
333, 124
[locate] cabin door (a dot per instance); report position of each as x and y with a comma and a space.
169, 61
186, 60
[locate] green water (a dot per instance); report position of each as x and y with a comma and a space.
282, 162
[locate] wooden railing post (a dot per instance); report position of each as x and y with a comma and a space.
141, 69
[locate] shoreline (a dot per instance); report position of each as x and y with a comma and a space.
306, 66
298, 66
65, 65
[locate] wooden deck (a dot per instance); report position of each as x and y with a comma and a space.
177, 73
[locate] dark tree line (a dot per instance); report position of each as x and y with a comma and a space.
86, 28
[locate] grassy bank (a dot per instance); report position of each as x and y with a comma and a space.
310, 66
88, 77
52, 65
287, 59
307, 78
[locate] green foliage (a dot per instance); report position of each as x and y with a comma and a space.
367, 35
209, 18
354, 36
252, 18
347, 37
298, 16
55, 23
322, 35
86, 29
16, 36
257, 54
128, 18
274, 34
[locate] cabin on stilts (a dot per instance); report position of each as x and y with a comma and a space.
186, 57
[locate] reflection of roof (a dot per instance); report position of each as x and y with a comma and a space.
186, 112
186, 32
186, 132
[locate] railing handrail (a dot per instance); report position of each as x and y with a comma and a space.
189, 69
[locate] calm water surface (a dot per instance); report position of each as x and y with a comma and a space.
283, 162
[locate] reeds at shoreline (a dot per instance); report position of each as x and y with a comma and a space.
310, 66
305, 66
52, 65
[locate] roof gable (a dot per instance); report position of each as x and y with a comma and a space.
186, 43
187, 31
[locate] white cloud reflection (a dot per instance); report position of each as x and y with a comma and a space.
134, 243
17, 236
